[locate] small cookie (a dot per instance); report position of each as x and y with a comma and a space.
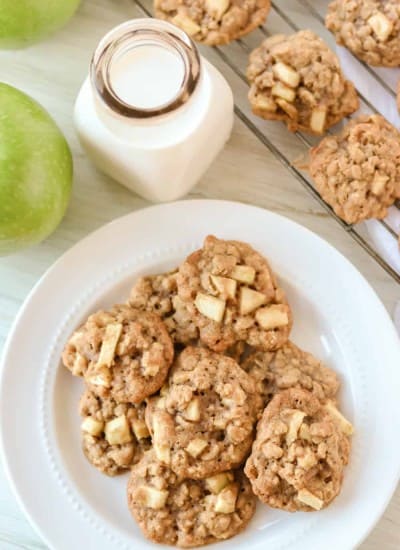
232, 295
214, 21
299, 453
123, 353
114, 435
185, 512
298, 79
357, 172
370, 29
203, 422
158, 293
290, 367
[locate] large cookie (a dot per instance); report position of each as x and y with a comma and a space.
231, 295
159, 294
298, 79
357, 172
214, 21
370, 29
203, 423
290, 367
299, 454
124, 353
185, 512
114, 435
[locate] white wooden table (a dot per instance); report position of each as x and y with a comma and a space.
52, 72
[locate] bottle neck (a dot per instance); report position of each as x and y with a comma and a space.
145, 68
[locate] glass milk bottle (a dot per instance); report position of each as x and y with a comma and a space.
153, 114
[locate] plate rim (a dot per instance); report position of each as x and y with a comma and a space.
72, 250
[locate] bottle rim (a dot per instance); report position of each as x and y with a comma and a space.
139, 32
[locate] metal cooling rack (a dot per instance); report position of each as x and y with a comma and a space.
288, 16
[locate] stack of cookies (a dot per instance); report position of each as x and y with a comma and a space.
195, 387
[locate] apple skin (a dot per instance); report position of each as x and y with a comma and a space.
35, 171
23, 22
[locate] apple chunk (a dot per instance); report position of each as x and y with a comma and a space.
216, 483
250, 300
140, 429
210, 306
92, 426
286, 74
318, 119
196, 447
304, 432
163, 453
117, 431
226, 499
379, 183
286, 93
309, 499
295, 422
192, 411
99, 376
346, 427
107, 351
381, 25
162, 450
225, 286
217, 8
185, 23
150, 497
244, 274
271, 317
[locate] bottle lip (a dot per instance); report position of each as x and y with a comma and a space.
132, 34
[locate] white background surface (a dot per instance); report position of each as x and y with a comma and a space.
52, 72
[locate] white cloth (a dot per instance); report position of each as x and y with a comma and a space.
371, 89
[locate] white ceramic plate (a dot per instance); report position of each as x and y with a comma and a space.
337, 316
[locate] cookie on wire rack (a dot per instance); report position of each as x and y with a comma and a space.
214, 22
297, 79
357, 172
370, 29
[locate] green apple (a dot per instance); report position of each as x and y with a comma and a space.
23, 22
35, 171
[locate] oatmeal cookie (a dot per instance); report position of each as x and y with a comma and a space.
299, 454
214, 21
290, 367
123, 353
370, 29
203, 422
357, 172
114, 435
298, 79
158, 293
184, 512
232, 295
